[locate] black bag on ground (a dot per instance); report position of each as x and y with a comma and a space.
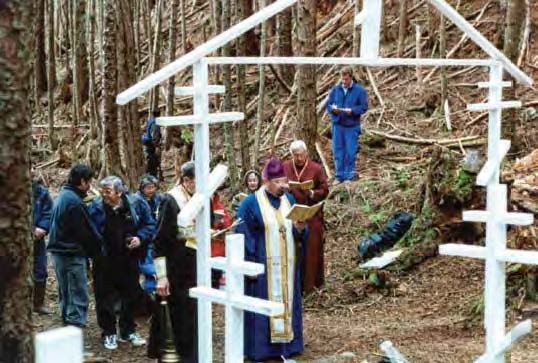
395, 228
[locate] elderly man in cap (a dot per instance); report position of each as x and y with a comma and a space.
276, 242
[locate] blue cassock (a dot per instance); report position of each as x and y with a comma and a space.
257, 340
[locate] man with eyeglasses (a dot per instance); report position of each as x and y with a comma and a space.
276, 242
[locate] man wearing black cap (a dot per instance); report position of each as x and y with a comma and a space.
274, 241
151, 139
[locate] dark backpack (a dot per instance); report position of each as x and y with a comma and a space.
152, 133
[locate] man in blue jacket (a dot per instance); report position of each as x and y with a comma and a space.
346, 103
147, 191
127, 227
72, 239
42, 208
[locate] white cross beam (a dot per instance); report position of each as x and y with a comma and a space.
370, 20
233, 298
497, 218
198, 208
62, 345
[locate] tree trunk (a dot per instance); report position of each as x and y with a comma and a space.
80, 67
228, 131
261, 93
130, 126
285, 48
92, 155
110, 162
241, 94
51, 75
442, 54
402, 30
40, 61
172, 35
183, 28
16, 55
307, 126
156, 55
515, 17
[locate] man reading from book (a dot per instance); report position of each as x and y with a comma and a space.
308, 184
274, 241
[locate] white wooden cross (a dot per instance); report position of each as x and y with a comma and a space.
62, 345
496, 218
198, 208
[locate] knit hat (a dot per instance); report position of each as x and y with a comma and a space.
273, 169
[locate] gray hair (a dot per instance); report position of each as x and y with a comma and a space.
298, 145
114, 182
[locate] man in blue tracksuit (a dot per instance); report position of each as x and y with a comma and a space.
346, 103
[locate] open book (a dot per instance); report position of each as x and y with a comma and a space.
302, 213
306, 185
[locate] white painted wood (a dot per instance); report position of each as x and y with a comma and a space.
504, 84
189, 90
192, 119
216, 178
199, 52
518, 219
359, 18
495, 281
481, 41
513, 337
519, 256
235, 286
203, 220
382, 261
196, 203
243, 267
493, 106
392, 353
447, 116
242, 302
488, 170
371, 28
475, 216
496, 218
370, 62
191, 210
62, 345
454, 249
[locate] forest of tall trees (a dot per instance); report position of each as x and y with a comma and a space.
63, 62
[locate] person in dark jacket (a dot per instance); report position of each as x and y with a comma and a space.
346, 103
148, 191
72, 239
42, 210
127, 227
151, 139
175, 264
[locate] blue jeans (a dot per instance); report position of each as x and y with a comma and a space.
40, 261
71, 273
345, 149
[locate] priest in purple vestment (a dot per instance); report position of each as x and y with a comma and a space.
278, 243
